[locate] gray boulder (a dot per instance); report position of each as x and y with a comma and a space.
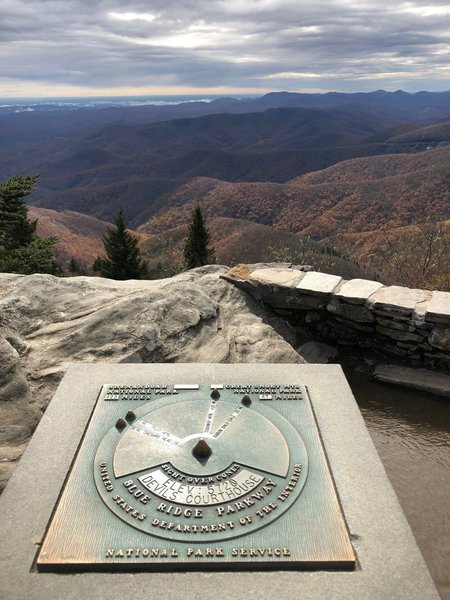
48, 322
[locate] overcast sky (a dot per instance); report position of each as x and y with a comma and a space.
128, 47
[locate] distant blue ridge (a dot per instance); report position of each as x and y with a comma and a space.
43, 104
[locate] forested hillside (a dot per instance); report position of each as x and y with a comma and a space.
339, 169
353, 196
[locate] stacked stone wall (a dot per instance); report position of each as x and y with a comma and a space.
412, 325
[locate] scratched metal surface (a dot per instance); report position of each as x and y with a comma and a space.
389, 564
166, 479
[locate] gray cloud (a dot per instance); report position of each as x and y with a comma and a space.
235, 44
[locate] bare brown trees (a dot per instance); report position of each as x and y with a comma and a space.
419, 257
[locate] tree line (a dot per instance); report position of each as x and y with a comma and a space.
22, 251
420, 258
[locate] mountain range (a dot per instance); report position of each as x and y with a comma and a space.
352, 195
99, 171
309, 164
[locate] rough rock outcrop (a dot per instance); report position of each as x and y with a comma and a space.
47, 322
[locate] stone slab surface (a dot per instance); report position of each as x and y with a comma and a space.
287, 277
397, 334
418, 379
400, 325
398, 299
389, 562
438, 309
358, 291
354, 312
319, 283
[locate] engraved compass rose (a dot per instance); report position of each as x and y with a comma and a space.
193, 476
229, 431
203, 464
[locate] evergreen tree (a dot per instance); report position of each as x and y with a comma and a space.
21, 251
77, 268
35, 257
15, 228
123, 257
197, 251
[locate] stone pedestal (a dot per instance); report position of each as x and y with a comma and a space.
389, 564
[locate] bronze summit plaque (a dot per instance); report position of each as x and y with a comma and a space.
199, 476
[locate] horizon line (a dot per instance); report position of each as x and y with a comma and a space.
215, 95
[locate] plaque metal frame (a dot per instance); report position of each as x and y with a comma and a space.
190, 476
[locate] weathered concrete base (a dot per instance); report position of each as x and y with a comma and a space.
389, 562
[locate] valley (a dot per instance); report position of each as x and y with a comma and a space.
336, 170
